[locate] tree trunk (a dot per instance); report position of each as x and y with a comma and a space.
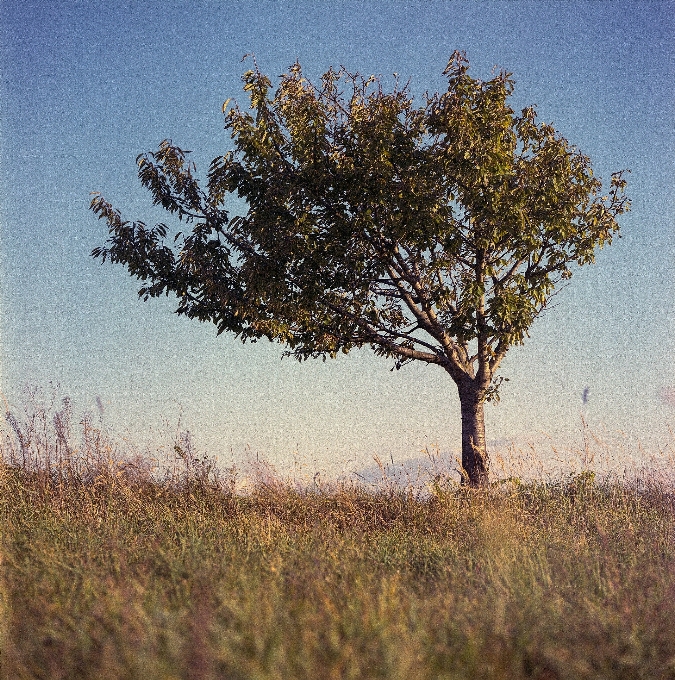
474, 452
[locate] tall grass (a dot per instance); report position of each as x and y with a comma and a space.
115, 565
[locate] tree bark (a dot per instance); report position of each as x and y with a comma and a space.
474, 451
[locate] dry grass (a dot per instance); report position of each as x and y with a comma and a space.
116, 567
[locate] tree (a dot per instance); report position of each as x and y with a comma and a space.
433, 233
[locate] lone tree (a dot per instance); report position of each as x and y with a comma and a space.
433, 233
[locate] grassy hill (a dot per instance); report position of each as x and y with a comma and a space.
111, 570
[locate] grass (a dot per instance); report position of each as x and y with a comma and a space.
113, 567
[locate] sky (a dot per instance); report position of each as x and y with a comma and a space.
87, 86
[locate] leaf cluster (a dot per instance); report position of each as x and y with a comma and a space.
434, 232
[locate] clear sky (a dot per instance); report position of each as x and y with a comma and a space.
87, 86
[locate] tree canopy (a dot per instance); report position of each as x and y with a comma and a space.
435, 232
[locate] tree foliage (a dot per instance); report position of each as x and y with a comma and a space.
435, 232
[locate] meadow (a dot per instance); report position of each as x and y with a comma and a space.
118, 565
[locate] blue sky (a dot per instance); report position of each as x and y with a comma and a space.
87, 86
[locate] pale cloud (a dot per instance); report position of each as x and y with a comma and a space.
667, 395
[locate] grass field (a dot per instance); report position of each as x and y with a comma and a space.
114, 568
